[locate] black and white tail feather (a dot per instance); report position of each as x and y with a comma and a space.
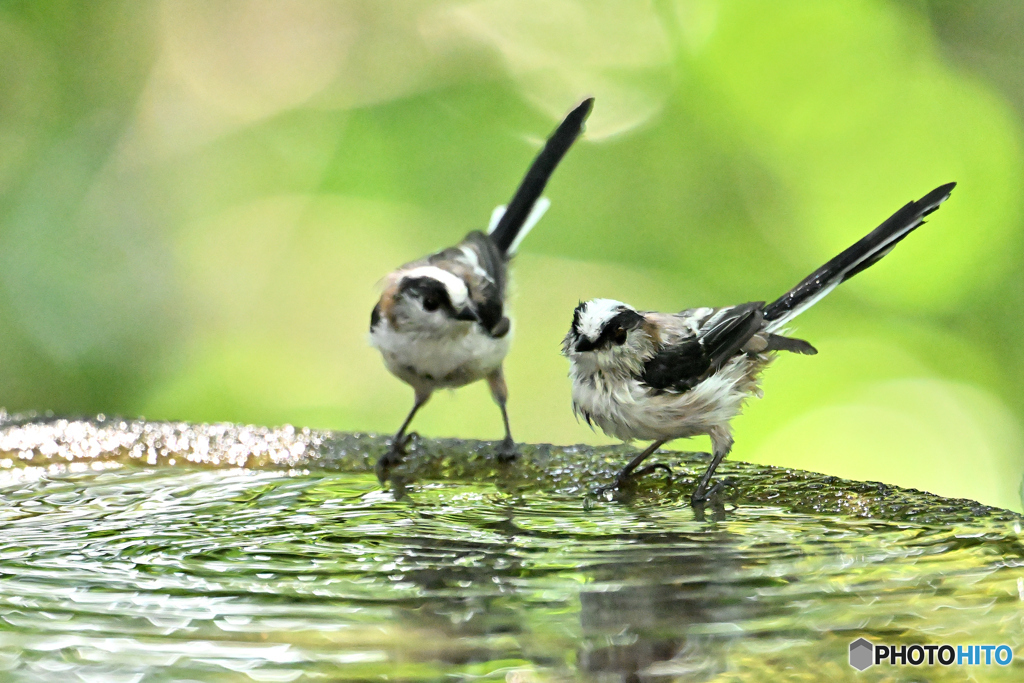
866, 252
662, 376
440, 321
511, 223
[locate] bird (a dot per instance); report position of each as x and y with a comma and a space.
441, 320
644, 375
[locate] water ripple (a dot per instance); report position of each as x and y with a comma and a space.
299, 565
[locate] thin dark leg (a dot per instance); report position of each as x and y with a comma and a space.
397, 449
721, 445
700, 495
398, 438
507, 448
627, 473
635, 462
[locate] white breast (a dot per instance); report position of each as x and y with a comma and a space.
463, 355
627, 409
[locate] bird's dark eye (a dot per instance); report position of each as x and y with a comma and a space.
619, 337
431, 303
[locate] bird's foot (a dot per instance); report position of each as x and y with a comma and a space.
507, 451
626, 480
394, 456
700, 496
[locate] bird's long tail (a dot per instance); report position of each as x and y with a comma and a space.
866, 252
509, 225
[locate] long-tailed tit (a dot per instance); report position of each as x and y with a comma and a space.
441, 320
664, 376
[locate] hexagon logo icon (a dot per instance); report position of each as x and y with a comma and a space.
862, 654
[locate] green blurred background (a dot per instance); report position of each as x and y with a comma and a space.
197, 199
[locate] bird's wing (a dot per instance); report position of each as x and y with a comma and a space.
696, 343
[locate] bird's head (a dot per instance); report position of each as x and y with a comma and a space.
426, 298
607, 335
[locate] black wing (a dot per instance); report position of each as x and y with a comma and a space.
683, 365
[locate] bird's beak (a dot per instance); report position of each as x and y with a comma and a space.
583, 345
467, 313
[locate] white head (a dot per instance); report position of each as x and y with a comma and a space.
607, 335
425, 298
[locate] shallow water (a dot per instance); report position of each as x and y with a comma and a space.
300, 567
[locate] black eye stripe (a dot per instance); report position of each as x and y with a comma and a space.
623, 321
425, 289
576, 318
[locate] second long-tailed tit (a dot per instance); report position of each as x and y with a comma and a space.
441, 320
664, 376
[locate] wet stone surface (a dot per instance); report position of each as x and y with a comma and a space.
166, 551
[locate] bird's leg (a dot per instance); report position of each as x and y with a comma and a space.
629, 472
507, 448
721, 442
399, 441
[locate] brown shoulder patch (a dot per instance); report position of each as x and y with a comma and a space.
387, 303
652, 330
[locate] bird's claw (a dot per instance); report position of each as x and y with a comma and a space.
609, 488
394, 456
626, 480
643, 472
507, 451
408, 438
386, 462
698, 497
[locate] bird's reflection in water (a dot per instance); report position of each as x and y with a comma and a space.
651, 607
667, 610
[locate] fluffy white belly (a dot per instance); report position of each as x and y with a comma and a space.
453, 360
627, 409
